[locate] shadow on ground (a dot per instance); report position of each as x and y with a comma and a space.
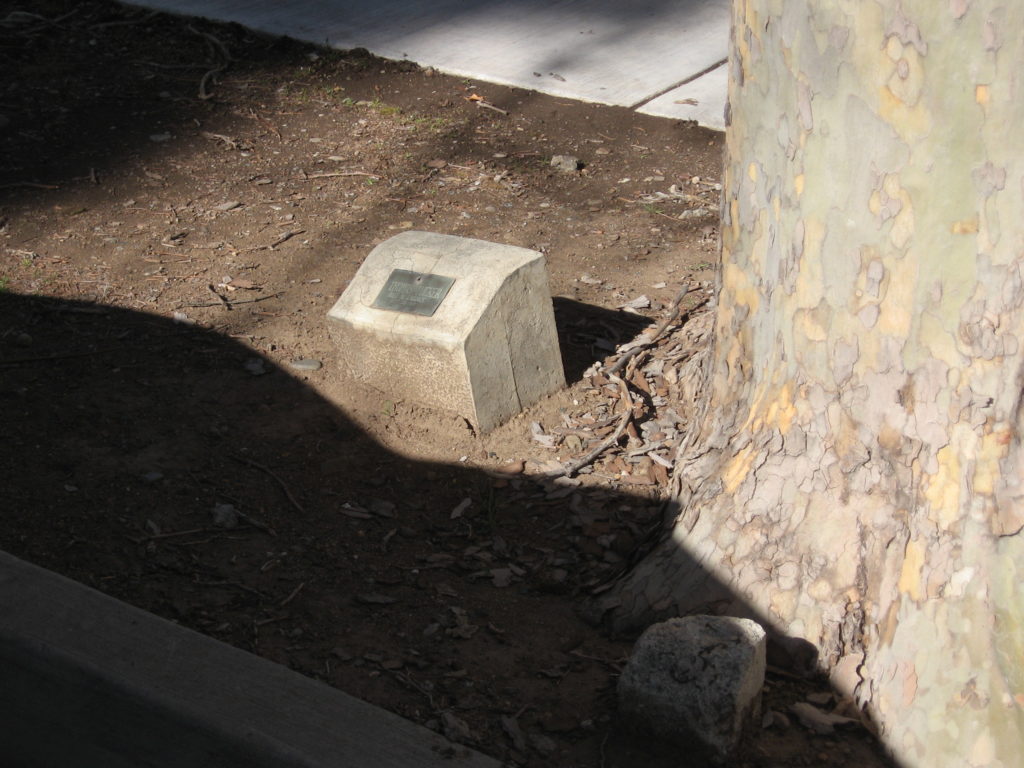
169, 467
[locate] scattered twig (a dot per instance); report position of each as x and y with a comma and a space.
405, 677
286, 236
235, 303
255, 523
230, 142
218, 47
230, 584
481, 102
171, 534
621, 362
223, 300
608, 662
214, 41
292, 596
280, 482
572, 467
118, 23
32, 184
488, 105
204, 94
308, 176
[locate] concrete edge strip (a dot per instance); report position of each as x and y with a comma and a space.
88, 680
684, 81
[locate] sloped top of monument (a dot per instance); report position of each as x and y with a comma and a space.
429, 286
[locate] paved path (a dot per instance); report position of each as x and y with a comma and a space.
661, 57
90, 681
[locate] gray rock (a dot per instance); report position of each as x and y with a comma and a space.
306, 364
224, 516
695, 681
542, 743
566, 163
257, 366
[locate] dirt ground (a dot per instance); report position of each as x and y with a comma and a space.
180, 204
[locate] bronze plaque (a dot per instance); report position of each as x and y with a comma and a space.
414, 293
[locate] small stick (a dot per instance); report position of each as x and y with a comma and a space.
292, 596
172, 533
270, 472
224, 301
229, 584
218, 47
286, 236
488, 105
307, 177
31, 184
43, 358
571, 468
239, 301
122, 23
214, 41
621, 362
255, 523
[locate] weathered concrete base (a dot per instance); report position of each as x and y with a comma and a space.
695, 681
488, 351
86, 680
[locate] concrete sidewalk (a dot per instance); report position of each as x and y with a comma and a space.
661, 57
86, 680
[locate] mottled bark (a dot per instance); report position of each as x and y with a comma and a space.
858, 475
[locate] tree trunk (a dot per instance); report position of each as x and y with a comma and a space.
857, 477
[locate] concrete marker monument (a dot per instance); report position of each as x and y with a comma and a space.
451, 322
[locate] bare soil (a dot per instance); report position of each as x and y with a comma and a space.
180, 204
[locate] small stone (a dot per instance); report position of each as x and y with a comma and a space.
159, 137
382, 507
257, 366
566, 163
695, 681
460, 508
224, 516
23, 340
455, 728
543, 744
306, 364
515, 734
230, 205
